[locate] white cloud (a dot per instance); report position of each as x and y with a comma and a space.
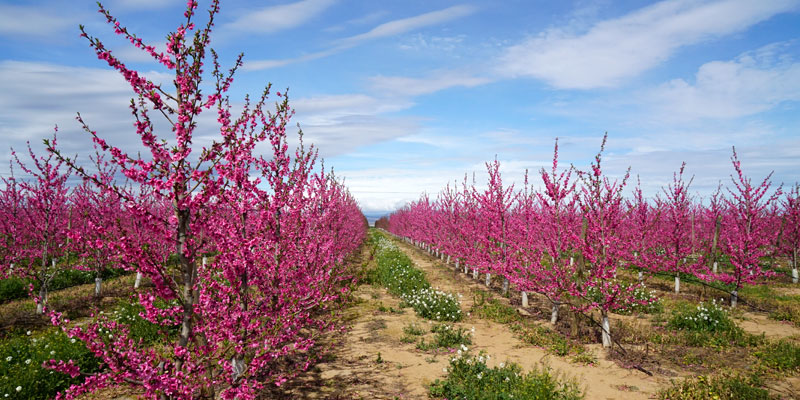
399, 26
34, 21
348, 104
338, 124
752, 83
405, 86
622, 48
363, 20
347, 133
278, 18
391, 28
257, 65
35, 97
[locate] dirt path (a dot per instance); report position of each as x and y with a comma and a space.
354, 369
761, 323
604, 380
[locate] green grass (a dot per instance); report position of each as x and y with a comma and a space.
708, 325
397, 273
468, 377
22, 375
492, 309
781, 356
723, 387
446, 337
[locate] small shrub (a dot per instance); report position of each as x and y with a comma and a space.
709, 325
408, 339
447, 337
548, 339
703, 318
413, 330
13, 288
434, 304
468, 377
725, 387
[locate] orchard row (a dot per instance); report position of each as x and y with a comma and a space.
568, 240
244, 254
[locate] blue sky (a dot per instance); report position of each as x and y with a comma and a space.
403, 97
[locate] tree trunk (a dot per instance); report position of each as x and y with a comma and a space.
734, 298
138, 280
677, 283
505, 286
554, 313
488, 279
42, 299
606, 331
475, 273
524, 299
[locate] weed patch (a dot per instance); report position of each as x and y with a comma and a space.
468, 377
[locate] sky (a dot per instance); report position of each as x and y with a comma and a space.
404, 97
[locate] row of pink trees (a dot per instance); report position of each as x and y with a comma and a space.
567, 240
246, 253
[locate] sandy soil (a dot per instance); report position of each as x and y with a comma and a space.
760, 323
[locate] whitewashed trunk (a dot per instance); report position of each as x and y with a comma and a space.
715, 267
640, 276
98, 283
475, 273
238, 366
524, 299
677, 284
554, 313
505, 286
488, 279
606, 332
448, 260
138, 280
205, 261
734, 298
794, 275
42, 300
